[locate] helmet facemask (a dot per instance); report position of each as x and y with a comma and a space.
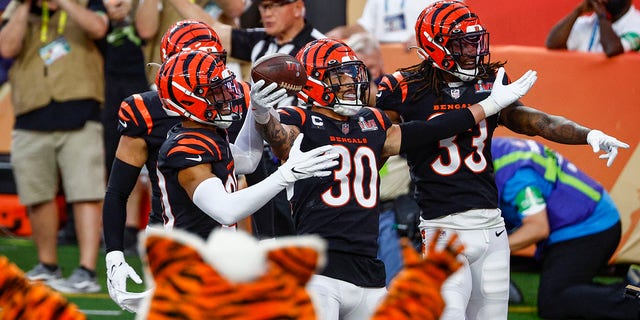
451, 37
468, 51
349, 84
224, 98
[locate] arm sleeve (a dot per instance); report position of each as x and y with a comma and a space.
229, 208
114, 211
418, 134
248, 147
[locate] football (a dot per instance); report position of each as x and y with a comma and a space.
281, 68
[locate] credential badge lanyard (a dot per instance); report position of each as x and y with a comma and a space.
44, 28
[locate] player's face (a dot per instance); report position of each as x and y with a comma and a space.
467, 48
347, 81
224, 95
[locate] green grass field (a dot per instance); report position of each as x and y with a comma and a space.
99, 306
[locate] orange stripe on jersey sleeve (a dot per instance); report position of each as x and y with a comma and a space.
142, 107
126, 113
300, 111
379, 116
185, 149
385, 81
303, 115
201, 143
403, 84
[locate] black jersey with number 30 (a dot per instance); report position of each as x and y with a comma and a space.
343, 207
453, 174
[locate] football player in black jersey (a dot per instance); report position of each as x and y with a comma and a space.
143, 125
196, 165
453, 177
343, 208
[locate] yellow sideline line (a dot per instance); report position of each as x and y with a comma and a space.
522, 309
86, 295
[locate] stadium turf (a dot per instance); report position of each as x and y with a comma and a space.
99, 306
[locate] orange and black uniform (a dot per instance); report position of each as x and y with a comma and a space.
140, 116
184, 148
343, 207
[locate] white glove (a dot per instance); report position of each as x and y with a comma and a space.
503, 96
263, 100
600, 141
313, 163
117, 273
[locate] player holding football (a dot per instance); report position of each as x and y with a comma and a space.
343, 208
196, 166
143, 125
454, 179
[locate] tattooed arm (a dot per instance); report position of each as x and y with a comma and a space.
264, 101
532, 122
279, 136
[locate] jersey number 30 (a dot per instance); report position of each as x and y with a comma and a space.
347, 189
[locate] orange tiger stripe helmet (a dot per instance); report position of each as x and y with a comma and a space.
187, 35
198, 86
452, 38
336, 80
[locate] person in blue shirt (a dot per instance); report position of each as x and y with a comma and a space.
546, 200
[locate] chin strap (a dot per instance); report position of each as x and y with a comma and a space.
347, 109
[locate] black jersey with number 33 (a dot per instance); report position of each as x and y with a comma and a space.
453, 174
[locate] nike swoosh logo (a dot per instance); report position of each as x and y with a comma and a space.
295, 171
122, 123
498, 233
198, 158
378, 94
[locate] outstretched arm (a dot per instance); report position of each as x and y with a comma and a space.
417, 134
248, 147
209, 194
532, 122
